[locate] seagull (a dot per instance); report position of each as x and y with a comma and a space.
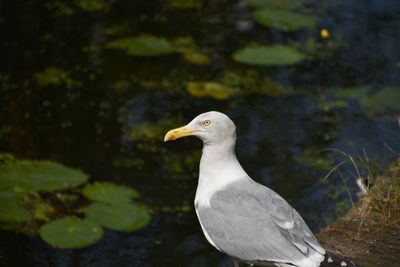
238, 216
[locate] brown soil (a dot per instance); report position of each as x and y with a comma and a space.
369, 235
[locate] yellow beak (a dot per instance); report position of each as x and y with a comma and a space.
177, 133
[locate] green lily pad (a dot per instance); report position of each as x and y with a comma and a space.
6, 157
145, 45
388, 98
197, 58
352, 92
284, 4
185, 4
385, 99
94, 5
10, 210
53, 76
268, 55
252, 82
120, 217
25, 175
70, 232
210, 89
283, 19
109, 193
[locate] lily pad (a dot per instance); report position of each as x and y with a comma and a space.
352, 92
268, 55
71, 232
53, 76
10, 210
210, 89
197, 58
25, 175
284, 4
145, 45
185, 4
253, 82
94, 5
388, 98
6, 157
385, 99
109, 193
283, 19
120, 217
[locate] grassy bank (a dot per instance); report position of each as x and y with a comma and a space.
369, 234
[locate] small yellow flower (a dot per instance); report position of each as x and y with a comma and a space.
324, 33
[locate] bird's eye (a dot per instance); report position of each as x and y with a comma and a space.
207, 122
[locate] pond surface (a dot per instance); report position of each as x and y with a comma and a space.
65, 95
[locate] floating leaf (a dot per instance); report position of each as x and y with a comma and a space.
388, 98
210, 89
352, 92
28, 175
284, 4
10, 210
252, 82
109, 193
284, 20
197, 58
145, 45
71, 232
185, 4
190, 52
183, 44
268, 55
6, 157
94, 5
53, 76
120, 217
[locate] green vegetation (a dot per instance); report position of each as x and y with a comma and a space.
368, 233
151, 46
94, 5
284, 4
210, 89
53, 76
311, 161
376, 103
268, 55
109, 193
44, 197
185, 4
10, 210
145, 45
39, 176
118, 216
283, 19
71, 232
388, 98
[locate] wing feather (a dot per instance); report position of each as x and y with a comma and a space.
256, 224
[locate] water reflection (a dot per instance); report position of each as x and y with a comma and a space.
66, 96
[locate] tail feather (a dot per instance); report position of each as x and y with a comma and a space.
335, 261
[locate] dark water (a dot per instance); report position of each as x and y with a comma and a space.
107, 112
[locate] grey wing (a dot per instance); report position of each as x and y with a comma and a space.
256, 226
292, 226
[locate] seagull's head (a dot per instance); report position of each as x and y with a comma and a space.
212, 127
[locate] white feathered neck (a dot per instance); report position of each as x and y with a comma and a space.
219, 168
